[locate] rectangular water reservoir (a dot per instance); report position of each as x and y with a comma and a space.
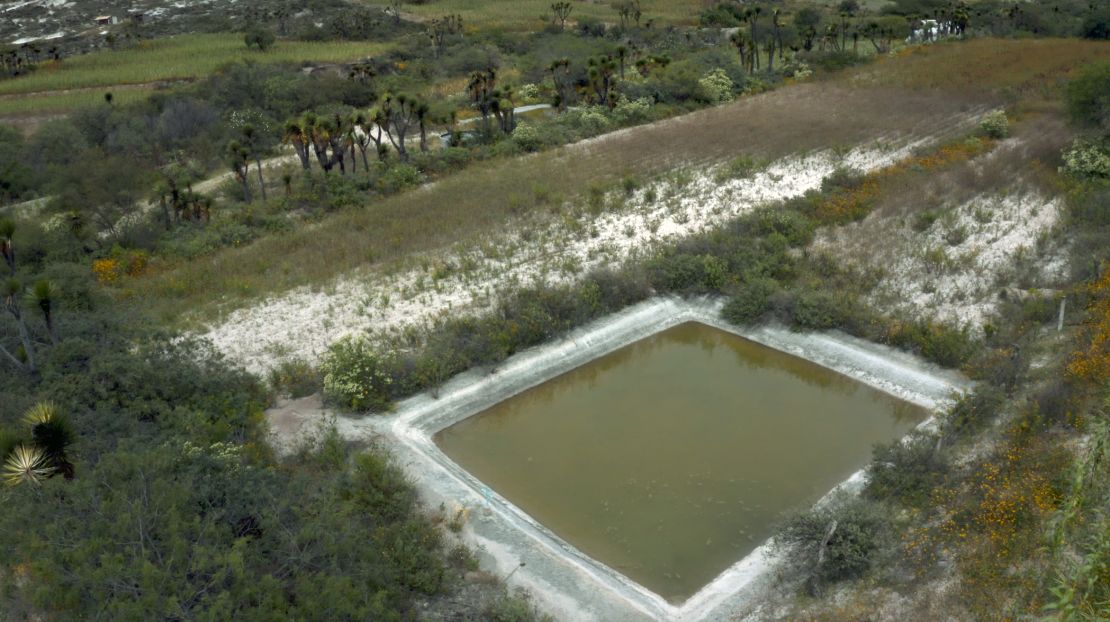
674, 457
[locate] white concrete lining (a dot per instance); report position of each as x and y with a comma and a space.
564, 580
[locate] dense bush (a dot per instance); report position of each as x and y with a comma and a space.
949, 346
356, 375
817, 310
906, 469
995, 125
362, 375
972, 412
179, 508
835, 541
1087, 97
751, 301
1088, 160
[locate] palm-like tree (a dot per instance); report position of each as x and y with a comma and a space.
239, 158
52, 434
251, 141
739, 40
316, 132
7, 230
481, 86
26, 465
44, 295
11, 293
294, 134
560, 76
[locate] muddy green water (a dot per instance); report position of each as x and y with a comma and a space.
673, 458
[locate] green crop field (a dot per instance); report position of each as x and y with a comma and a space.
52, 103
530, 14
176, 58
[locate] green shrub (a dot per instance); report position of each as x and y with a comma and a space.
995, 125
925, 220
906, 469
1087, 160
295, 378
939, 343
816, 310
513, 608
356, 375
716, 86
740, 167
397, 177
1088, 102
751, 302
861, 529
794, 227
972, 412
842, 178
687, 273
527, 138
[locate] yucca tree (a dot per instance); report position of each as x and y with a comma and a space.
294, 134
44, 295
504, 109
739, 40
26, 465
11, 294
401, 111
752, 17
251, 142
600, 71
560, 76
40, 413
375, 125
52, 434
336, 129
422, 112
480, 88
7, 230
315, 130
238, 158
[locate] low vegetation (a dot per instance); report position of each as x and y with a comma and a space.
139, 483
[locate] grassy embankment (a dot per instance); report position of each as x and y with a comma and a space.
873, 102
130, 73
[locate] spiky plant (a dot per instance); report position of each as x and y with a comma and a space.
26, 465
43, 412
44, 296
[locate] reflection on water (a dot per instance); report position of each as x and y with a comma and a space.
674, 457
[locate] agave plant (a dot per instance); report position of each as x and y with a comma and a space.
26, 465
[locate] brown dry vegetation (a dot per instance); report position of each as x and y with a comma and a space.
1008, 66
794, 119
487, 196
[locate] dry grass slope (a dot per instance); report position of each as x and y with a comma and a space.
876, 104
488, 196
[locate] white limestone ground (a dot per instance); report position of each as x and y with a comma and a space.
954, 269
555, 247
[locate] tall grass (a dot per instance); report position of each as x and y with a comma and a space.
175, 58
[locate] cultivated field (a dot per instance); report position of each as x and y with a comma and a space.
53, 87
